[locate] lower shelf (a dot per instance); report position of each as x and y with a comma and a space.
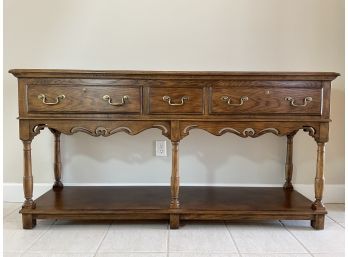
196, 203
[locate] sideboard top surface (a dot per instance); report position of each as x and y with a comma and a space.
213, 75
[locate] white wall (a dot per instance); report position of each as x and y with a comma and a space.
242, 35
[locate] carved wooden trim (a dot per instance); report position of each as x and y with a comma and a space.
101, 131
311, 131
37, 129
242, 129
165, 131
106, 128
187, 129
249, 132
248, 129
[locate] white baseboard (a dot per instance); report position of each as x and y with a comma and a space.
333, 193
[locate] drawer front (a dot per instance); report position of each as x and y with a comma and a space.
84, 99
266, 100
176, 100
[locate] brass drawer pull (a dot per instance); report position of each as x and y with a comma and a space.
169, 100
109, 99
43, 98
228, 100
292, 101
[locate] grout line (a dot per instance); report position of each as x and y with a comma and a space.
233, 240
7, 215
335, 221
292, 234
343, 226
39, 237
103, 238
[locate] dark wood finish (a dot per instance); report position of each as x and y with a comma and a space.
281, 103
289, 165
57, 161
318, 221
201, 75
319, 177
28, 221
174, 221
86, 99
28, 177
193, 104
265, 100
175, 176
198, 203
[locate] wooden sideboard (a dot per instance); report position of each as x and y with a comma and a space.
101, 103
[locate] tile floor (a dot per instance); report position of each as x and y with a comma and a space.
237, 239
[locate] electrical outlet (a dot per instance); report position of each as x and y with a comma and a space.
161, 148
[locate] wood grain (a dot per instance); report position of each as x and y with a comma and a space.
205, 75
84, 99
108, 198
28, 176
58, 185
194, 104
319, 177
83, 110
288, 164
265, 100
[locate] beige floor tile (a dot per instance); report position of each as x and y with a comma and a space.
10, 208
330, 240
17, 239
267, 237
46, 254
329, 255
336, 212
203, 255
135, 238
277, 255
131, 255
305, 224
202, 238
71, 239
9, 254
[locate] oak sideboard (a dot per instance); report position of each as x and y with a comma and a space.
101, 103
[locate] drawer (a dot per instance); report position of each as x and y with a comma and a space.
236, 100
84, 99
176, 100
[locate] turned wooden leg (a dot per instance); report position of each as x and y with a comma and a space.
175, 176
319, 178
318, 222
28, 177
58, 185
288, 165
28, 221
174, 221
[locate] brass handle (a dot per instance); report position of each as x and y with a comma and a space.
169, 100
109, 99
43, 98
305, 101
228, 100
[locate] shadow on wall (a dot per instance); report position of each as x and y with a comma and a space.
204, 159
119, 158
231, 159
124, 148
